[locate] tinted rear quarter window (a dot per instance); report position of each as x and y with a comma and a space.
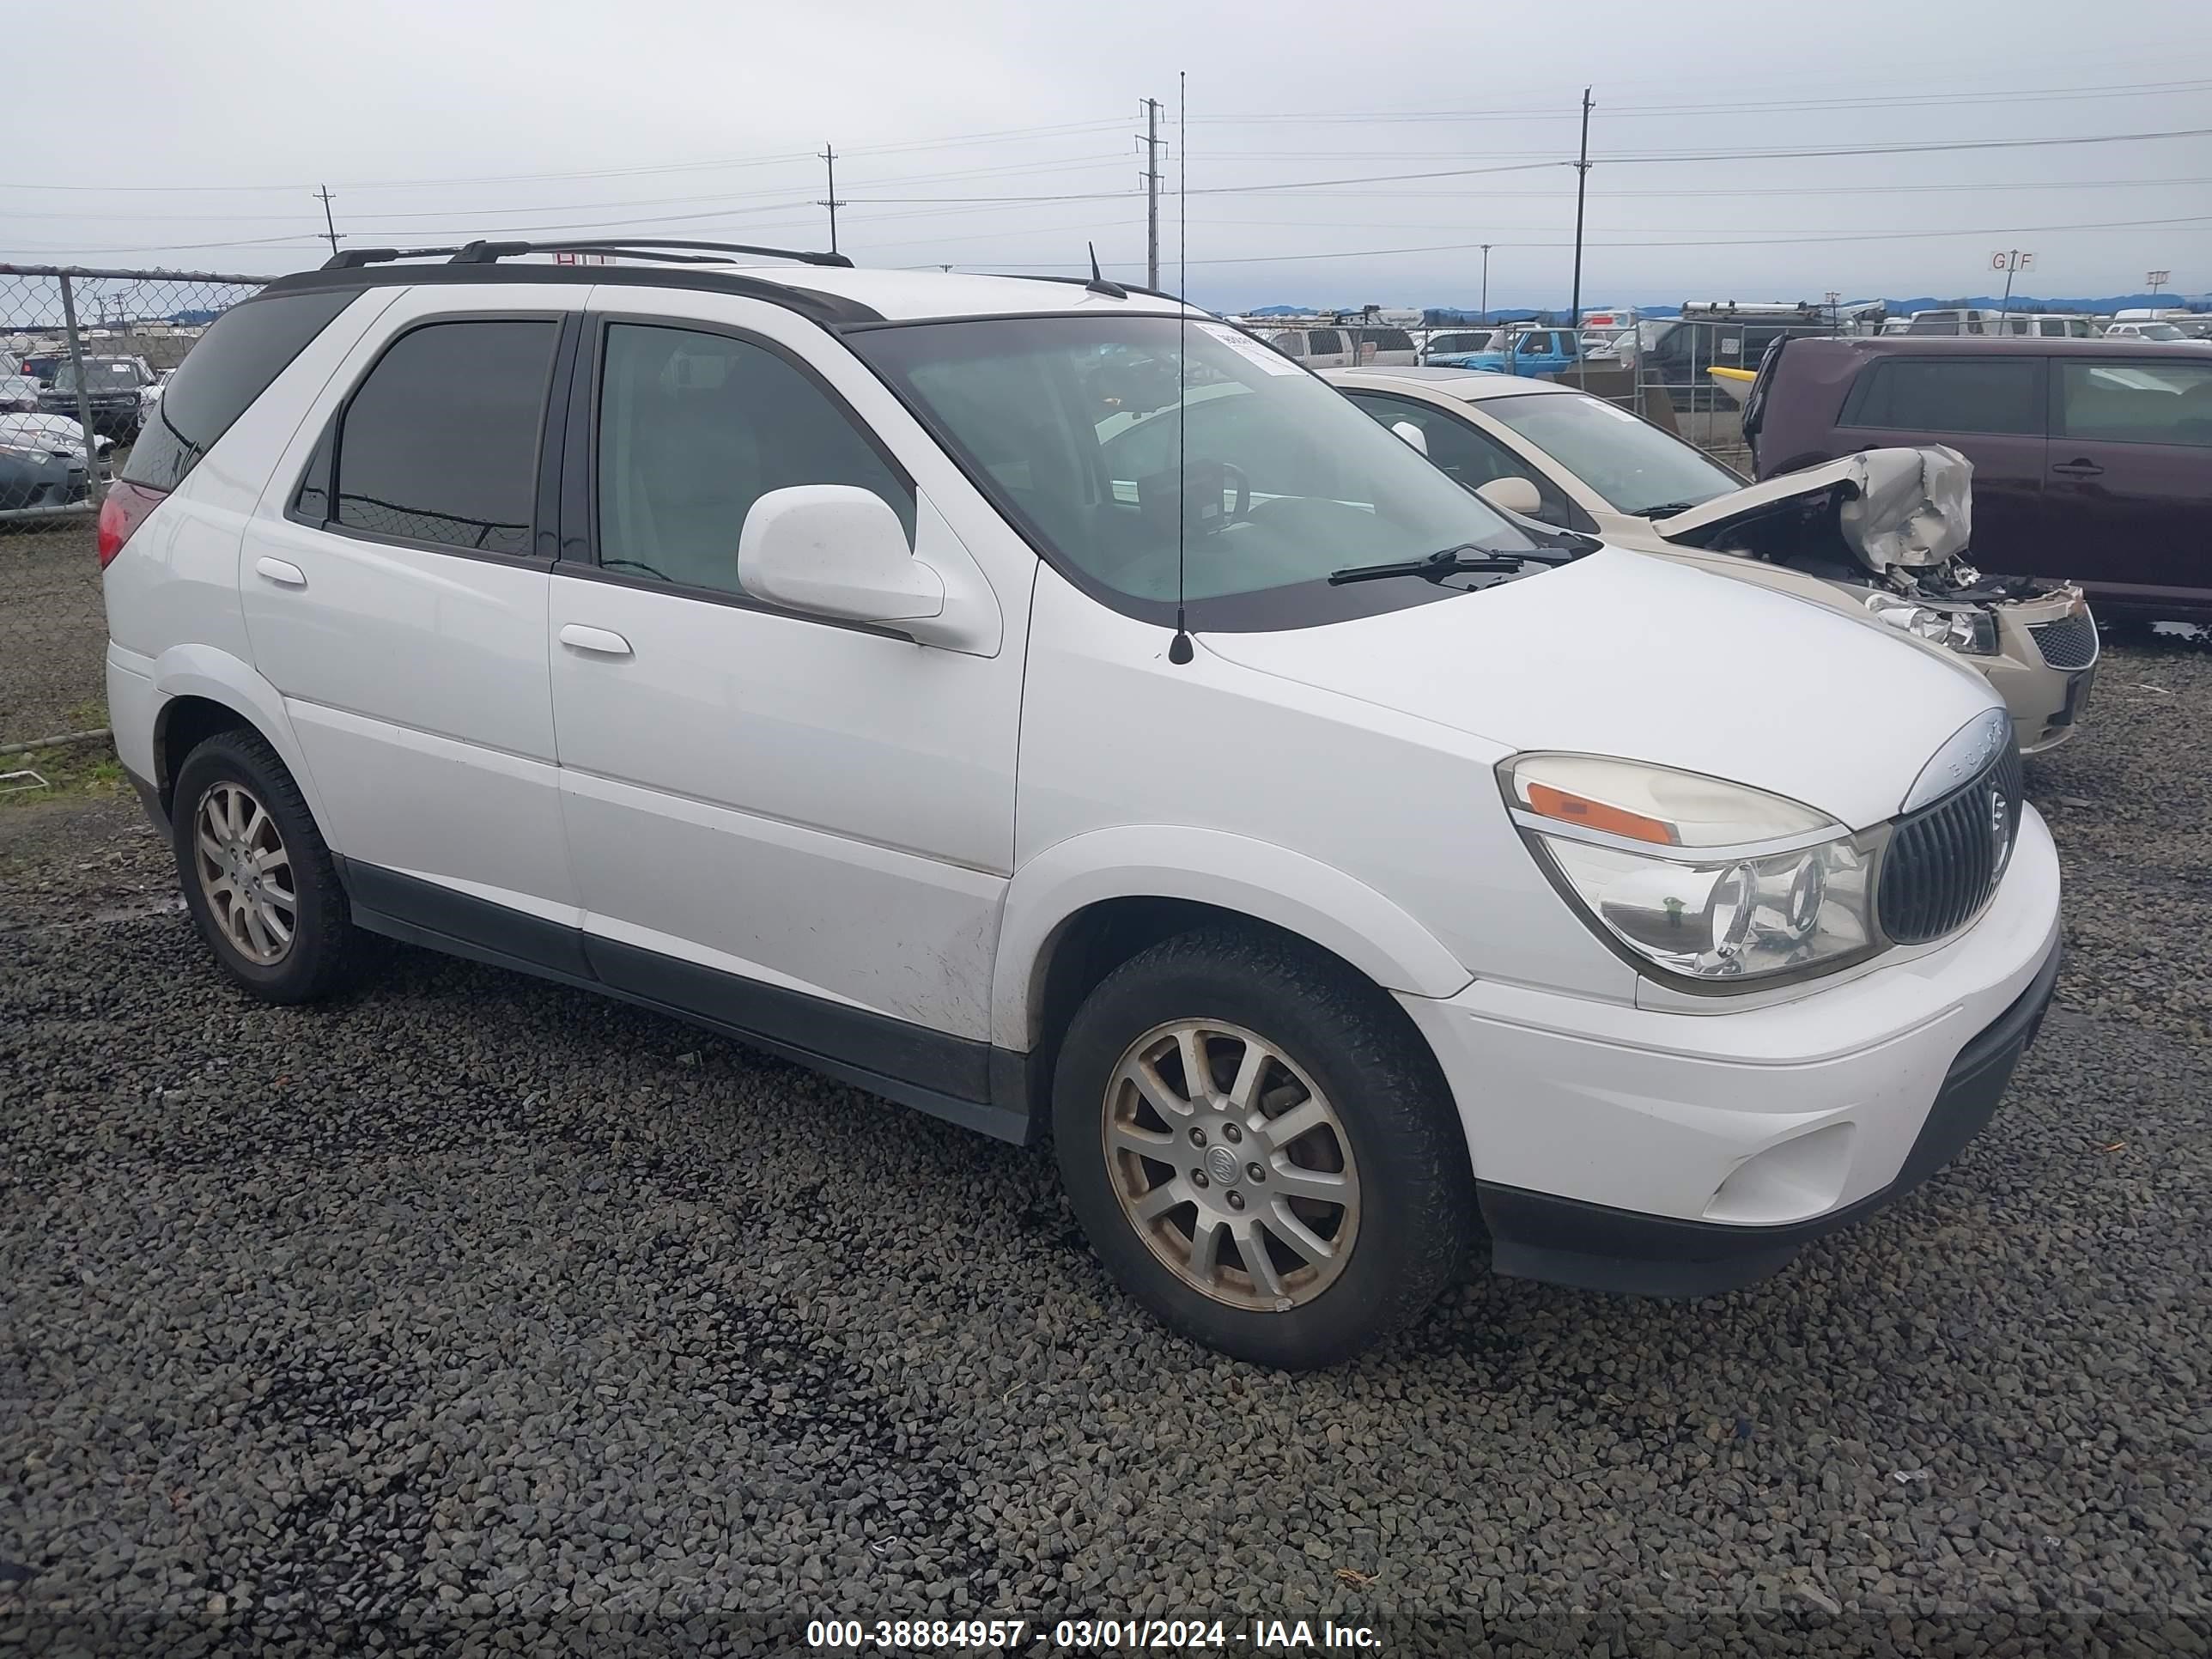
1949, 394
439, 442
242, 352
2135, 403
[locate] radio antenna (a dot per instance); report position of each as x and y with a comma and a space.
1179, 648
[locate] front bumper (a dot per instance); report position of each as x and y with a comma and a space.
2047, 703
1592, 1247
1632, 1150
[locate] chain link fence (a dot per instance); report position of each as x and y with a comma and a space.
82, 357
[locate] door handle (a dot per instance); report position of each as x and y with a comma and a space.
604, 642
2084, 468
284, 575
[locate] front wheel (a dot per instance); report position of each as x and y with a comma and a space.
1260, 1148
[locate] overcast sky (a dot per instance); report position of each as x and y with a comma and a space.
211, 124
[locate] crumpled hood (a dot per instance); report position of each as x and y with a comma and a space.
59, 435
1624, 654
1895, 507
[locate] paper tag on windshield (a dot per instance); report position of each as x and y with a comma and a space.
1616, 411
1250, 349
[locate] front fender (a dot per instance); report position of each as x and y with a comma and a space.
1255, 878
206, 670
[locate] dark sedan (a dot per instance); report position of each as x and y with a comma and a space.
2092, 458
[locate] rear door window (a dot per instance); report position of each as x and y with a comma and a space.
233, 362
2122, 403
1324, 341
440, 444
1950, 394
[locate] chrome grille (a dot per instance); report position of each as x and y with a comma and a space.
2069, 642
1943, 861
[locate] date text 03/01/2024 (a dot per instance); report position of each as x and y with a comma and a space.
1014, 1635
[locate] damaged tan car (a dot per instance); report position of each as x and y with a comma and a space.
1884, 532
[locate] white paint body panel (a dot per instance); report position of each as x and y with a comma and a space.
1404, 806
416, 679
830, 804
1624, 655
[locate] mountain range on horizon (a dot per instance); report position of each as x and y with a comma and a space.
2100, 307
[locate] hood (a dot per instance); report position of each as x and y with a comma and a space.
56, 433
1623, 654
1892, 507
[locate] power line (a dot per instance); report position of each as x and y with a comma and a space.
1622, 160
1539, 111
1733, 241
996, 136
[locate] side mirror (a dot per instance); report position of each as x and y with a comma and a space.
834, 550
1413, 434
1514, 494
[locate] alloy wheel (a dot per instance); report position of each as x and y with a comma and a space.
246, 873
1232, 1164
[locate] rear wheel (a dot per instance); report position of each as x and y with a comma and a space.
258, 877
1260, 1149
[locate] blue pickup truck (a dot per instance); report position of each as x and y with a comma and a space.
1518, 351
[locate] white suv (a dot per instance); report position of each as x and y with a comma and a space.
1044, 705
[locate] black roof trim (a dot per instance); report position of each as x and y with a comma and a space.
644, 247
830, 309
1085, 282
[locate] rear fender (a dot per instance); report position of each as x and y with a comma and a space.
204, 671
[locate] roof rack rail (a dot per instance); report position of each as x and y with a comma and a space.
643, 247
353, 258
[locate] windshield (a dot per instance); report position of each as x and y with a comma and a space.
1634, 465
100, 373
1261, 478
2160, 332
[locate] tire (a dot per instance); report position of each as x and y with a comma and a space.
1384, 1118
225, 777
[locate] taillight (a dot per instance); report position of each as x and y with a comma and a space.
122, 512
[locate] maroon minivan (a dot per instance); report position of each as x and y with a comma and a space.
2092, 458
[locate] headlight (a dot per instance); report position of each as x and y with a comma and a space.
1721, 885
1971, 630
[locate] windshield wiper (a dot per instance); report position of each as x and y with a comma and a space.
1447, 562
1667, 509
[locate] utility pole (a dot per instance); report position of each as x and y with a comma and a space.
330, 225
1486, 281
1582, 185
830, 157
1150, 141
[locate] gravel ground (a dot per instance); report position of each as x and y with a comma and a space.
53, 633
472, 1314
